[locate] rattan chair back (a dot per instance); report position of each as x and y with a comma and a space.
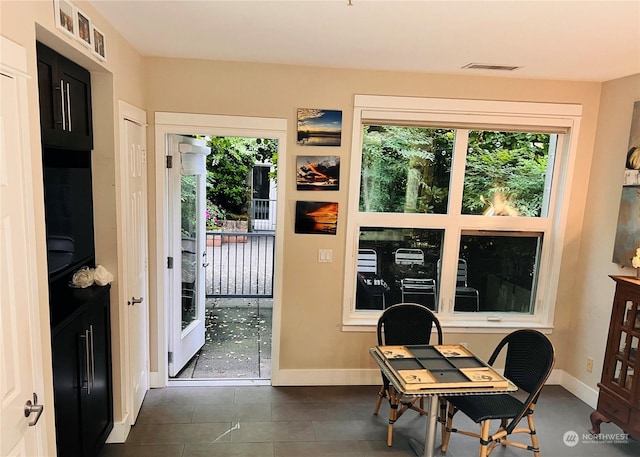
406, 324
529, 360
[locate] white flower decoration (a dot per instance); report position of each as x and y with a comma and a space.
635, 260
83, 278
101, 276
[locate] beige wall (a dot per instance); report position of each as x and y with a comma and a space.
227, 88
120, 77
593, 292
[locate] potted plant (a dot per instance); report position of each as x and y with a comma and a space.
215, 216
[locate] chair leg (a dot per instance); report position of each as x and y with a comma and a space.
447, 427
382, 394
442, 417
484, 438
534, 436
393, 410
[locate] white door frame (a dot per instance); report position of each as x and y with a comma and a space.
207, 124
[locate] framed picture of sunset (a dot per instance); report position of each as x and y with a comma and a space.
319, 218
319, 127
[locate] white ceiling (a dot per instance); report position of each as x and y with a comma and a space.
568, 40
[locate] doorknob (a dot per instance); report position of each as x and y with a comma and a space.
33, 408
135, 301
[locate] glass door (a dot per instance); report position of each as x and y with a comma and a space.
187, 200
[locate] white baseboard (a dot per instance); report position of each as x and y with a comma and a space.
120, 431
327, 377
155, 381
372, 377
587, 394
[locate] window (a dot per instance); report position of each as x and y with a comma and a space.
459, 207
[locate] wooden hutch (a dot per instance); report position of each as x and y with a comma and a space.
619, 398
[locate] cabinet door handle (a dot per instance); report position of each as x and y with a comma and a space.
69, 106
135, 301
93, 359
87, 360
64, 118
33, 408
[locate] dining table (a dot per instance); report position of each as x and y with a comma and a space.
434, 372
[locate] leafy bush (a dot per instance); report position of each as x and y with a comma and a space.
229, 169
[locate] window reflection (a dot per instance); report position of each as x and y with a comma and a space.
397, 265
503, 267
495, 272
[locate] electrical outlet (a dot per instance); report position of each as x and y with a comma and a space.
589, 365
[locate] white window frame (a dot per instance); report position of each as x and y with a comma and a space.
563, 119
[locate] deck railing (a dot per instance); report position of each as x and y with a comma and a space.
239, 264
263, 214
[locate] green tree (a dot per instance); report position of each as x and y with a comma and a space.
402, 169
407, 169
229, 169
511, 164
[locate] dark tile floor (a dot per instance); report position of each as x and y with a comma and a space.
328, 421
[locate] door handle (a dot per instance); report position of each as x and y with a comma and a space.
93, 358
135, 301
64, 120
34, 407
87, 360
204, 259
69, 106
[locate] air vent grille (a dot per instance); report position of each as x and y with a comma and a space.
484, 66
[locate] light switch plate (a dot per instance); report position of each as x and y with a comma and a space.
325, 255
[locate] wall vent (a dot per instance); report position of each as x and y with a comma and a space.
485, 66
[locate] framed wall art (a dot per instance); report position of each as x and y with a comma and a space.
319, 218
318, 173
319, 127
628, 228
83, 28
65, 16
99, 44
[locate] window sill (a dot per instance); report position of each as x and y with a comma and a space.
465, 327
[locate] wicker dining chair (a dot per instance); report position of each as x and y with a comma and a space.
400, 325
529, 360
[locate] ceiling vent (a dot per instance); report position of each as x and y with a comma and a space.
484, 66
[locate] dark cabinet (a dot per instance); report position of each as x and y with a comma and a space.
619, 397
65, 102
81, 352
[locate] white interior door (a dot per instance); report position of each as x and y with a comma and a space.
136, 258
187, 195
19, 321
